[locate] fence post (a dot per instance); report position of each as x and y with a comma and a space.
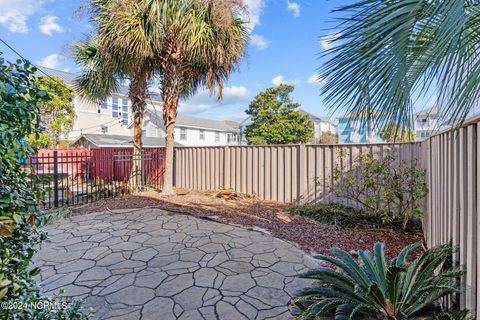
142, 169
226, 167
55, 178
174, 169
301, 173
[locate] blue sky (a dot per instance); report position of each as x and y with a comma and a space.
287, 38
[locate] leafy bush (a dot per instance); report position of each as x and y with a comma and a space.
392, 191
19, 192
371, 287
345, 217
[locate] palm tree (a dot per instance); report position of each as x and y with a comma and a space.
185, 43
105, 64
387, 53
200, 43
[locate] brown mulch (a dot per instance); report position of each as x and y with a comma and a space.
270, 216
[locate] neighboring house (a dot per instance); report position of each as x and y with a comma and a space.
427, 122
114, 117
111, 116
358, 129
320, 125
190, 131
114, 141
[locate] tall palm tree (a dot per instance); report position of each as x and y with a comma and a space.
197, 43
185, 43
386, 54
105, 64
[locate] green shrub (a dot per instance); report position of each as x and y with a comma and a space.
345, 217
371, 287
19, 192
393, 190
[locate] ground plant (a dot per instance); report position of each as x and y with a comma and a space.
373, 287
388, 188
346, 217
19, 194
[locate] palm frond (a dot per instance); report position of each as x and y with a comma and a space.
373, 287
391, 52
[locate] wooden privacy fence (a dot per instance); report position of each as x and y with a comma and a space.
287, 173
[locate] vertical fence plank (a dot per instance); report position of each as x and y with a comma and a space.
470, 292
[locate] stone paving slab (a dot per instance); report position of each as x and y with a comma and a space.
151, 264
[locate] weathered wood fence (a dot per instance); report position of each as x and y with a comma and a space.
304, 173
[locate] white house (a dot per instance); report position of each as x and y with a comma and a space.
191, 131
320, 125
114, 117
427, 122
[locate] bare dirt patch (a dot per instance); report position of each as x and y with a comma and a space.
269, 216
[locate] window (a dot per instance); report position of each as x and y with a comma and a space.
202, 134
229, 137
103, 104
115, 107
104, 129
424, 135
125, 111
217, 136
183, 134
125, 118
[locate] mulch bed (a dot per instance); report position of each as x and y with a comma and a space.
311, 236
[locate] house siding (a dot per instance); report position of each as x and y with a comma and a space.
356, 131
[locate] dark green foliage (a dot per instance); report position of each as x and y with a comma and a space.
345, 217
276, 120
19, 192
390, 189
57, 114
372, 287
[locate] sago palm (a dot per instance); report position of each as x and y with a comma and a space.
374, 287
387, 54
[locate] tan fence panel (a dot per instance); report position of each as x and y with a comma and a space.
286, 173
452, 164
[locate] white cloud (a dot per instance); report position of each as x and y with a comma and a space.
48, 25
259, 41
234, 93
254, 8
316, 79
203, 100
52, 61
14, 13
278, 80
294, 7
327, 41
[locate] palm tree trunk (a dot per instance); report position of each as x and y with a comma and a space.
169, 105
137, 94
171, 96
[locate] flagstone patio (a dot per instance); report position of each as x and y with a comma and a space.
152, 264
